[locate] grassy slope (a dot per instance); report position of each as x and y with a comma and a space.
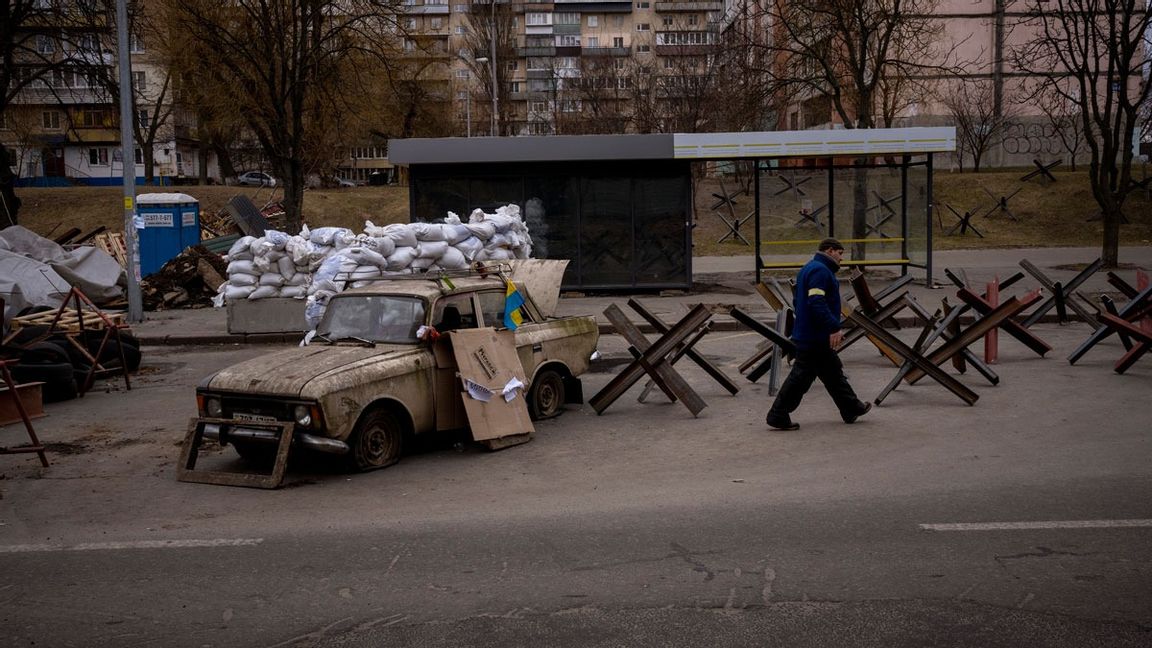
1050, 215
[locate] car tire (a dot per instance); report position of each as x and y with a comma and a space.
59, 381
546, 397
46, 352
377, 441
111, 355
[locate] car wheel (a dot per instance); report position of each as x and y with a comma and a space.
377, 440
546, 397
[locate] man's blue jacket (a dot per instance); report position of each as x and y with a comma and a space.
817, 302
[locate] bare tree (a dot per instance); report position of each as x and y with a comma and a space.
846, 54
1066, 121
1093, 53
489, 32
285, 62
979, 127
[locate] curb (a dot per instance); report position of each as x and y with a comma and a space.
719, 324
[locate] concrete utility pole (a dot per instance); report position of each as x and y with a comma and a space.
492, 70
128, 164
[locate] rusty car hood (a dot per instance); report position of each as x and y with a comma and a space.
287, 372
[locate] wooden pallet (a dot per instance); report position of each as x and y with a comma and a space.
70, 321
113, 244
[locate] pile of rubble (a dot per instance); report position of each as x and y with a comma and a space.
188, 281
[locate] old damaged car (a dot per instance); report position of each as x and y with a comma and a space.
367, 379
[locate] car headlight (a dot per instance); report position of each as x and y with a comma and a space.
213, 408
303, 415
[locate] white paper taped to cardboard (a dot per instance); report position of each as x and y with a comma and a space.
478, 391
510, 389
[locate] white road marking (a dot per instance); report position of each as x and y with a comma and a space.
138, 544
1024, 526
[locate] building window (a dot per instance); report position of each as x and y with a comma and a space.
643, 48
98, 156
135, 43
536, 18
463, 74
460, 8
568, 40
142, 118
139, 81
567, 19
513, 66
410, 24
593, 21
619, 63
593, 42
642, 5
51, 120
514, 87
460, 30
437, 23
538, 107
693, 19
88, 43
617, 21
642, 27
139, 155
667, 20
45, 44
618, 41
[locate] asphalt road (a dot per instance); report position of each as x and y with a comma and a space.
641, 527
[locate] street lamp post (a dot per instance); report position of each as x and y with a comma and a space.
491, 89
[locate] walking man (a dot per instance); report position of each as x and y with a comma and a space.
817, 335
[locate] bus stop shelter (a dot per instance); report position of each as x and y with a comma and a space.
621, 207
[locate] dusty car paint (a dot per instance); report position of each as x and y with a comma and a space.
345, 379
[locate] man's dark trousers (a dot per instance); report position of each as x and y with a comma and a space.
812, 362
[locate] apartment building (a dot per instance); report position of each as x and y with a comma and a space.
64, 128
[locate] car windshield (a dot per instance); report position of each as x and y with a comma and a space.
390, 319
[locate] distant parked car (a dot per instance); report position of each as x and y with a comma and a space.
256, 179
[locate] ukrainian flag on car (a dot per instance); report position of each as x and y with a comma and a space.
513, 300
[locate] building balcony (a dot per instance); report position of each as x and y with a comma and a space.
427, 10
539, 74
568, 50
683, 50
606, 51
696, 7
535, 51
566, 29
593, 6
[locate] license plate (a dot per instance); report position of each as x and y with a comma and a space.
254, 418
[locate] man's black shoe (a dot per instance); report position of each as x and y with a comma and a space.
786, 424
861, 412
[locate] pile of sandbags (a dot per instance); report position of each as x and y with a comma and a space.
320, 263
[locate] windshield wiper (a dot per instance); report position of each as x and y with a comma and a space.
354, 338
322, 338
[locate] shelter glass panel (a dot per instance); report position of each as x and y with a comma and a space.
660, 226
607, 234
433, 198
551, 208
488, 193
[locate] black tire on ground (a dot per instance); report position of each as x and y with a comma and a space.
111, 355
46, 352
59, 381
91, 339
27, 334
546, 396
377, 441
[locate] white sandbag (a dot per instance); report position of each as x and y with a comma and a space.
241, 246
452, 218
401, 234
298, 279
326, 235
373, 230
364, 272
271, 279
432, 249
335, 268
314, 310
299, 249
422, 263
453, 259
384, 245
277, 238
481, 230
402, 257
343, 239
241, 267
286, 266
264, 292
236, 293
364, 256
469, 247
294, 292
242, 279
425, 231
454, 233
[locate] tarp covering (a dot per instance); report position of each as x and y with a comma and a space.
44, 271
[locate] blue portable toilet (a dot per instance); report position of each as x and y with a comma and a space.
171, 224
